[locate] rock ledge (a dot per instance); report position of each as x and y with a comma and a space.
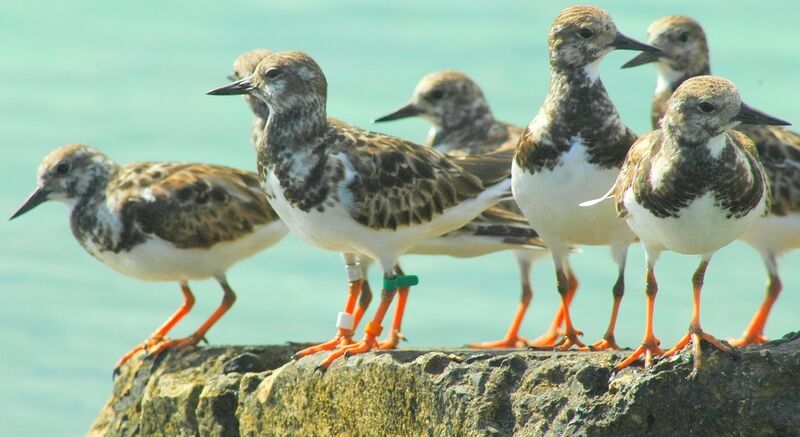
249, 391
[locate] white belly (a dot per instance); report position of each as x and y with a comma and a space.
550, 201
701, 228
774, 234
335, 229
160, 260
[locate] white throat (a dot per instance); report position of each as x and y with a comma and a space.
666, 77
717, 144
593, 70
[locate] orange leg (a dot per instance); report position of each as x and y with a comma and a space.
227, 302
695, 333
570, 333
754, 334
397, 323
343, 336
372, 331
550, 338
608, 341
363, 303
160, 334
649, 347
512, 338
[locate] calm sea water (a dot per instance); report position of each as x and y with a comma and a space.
130, 80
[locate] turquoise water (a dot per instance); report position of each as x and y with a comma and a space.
130, 80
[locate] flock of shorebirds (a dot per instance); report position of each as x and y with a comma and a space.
711, 172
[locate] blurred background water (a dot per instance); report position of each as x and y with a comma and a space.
129, 78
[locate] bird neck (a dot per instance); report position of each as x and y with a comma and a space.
295, 129
87, 209
473, 122
575, 94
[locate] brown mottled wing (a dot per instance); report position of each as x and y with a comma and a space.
631, 172
502, 223
395, 183
190, 205
779, 152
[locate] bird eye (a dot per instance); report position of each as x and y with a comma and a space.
706, 107
683, 37
62, 168
272, 73
437, 94
586, 33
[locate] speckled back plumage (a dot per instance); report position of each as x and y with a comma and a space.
118, 207
392, 183
189, 205
387, 182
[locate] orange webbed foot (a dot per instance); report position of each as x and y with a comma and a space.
649, 348
607, 343
367, 344
392, 342
505, 343
569, 339
146, 346
696, 336
748, 340
340, 340
177, 344
548, 340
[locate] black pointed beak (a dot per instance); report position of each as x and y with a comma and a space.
749, 115
622, 42
37, 198
242, 86
643, 58
406, 111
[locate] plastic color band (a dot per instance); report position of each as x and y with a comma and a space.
400, 281
344, 321
373, 328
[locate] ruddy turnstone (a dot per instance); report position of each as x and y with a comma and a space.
356, 266
692, 186
160, 221
685, 55
462, 121
575, 146
353, 191
463, 124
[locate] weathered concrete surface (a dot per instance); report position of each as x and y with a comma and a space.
248, 391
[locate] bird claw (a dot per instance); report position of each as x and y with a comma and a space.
338, 341
648, 348
391, 343
568, 340
177, 344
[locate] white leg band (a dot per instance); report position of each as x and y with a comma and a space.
353, 272
344, 321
